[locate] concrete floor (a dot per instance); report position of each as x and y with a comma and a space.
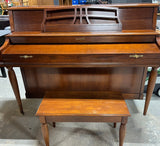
19, 130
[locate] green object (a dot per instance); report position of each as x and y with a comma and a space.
0, 10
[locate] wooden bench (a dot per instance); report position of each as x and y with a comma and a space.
105, 107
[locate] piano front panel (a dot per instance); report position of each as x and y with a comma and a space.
128, 80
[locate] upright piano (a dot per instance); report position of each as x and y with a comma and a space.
87, 49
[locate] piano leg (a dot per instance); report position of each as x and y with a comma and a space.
114, 126
14, 84
3, 72
150, 88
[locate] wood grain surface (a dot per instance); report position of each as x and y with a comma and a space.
41, 79
146, 48
83, 107
132, 16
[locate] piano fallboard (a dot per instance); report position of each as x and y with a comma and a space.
86, 54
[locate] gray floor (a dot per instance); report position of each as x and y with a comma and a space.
16, 129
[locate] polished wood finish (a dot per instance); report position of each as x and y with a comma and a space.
82, 39
4, 46
14, 83
34, 18
44, 128
122, 130
90, 55
83, 61
110, 108
11, 20
94, 80
155, 17
135, 48
84, 94
132, 16
150, 88
81, 19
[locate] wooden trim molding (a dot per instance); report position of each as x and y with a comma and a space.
4, 46
158, 40
11, 20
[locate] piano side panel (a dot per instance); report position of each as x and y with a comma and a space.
128, 80
131, 18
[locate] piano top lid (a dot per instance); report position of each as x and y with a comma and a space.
41, 7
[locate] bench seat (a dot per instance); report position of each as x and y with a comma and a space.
107, 109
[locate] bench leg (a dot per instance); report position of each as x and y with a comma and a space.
122, 130
114, 126
44, 128
54, 124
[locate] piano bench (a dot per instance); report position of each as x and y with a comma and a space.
82, 110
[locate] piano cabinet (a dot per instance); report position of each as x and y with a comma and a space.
53, 58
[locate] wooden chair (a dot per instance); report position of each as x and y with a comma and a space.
110, 109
